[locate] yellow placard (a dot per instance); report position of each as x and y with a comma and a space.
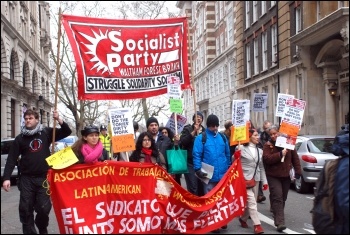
62, 159
123, 143
242, 136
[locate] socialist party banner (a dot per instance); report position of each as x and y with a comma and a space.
127, 59
115, 197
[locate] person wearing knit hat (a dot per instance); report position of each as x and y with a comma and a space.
212, 121
163, 142
199, 115
188, 135
215, 152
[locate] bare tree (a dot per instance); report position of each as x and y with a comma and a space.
82, 112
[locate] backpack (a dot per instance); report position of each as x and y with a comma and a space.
323, 212
204, 137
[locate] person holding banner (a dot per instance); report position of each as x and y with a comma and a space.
188, 135
215, 152
147, 151
277, 173
253, 168
33, 145
89, 148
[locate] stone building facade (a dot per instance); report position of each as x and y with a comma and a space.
25, 71
294, 47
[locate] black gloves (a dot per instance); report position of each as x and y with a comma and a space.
297, 176
201, 174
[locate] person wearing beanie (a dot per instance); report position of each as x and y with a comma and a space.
215, 152
188, 135
163, 142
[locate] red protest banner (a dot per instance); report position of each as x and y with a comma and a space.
127, 59
130, 197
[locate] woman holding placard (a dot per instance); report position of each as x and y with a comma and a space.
277, 173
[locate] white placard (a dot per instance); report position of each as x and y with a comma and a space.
121, 121
174, 87
240, 112
260, 102
281, 102
181, 121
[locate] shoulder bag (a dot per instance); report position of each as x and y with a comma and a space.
177, 160
251, 183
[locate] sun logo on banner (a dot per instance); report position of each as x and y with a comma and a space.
93, 47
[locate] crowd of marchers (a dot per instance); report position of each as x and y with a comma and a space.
265, 165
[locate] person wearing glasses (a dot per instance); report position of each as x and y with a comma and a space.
146, 151
175, 141
215, 151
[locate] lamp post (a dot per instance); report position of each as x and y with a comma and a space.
41, 107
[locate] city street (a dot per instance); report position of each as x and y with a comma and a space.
296, 212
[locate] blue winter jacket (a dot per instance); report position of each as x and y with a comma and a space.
216, 153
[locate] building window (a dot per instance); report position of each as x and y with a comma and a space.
264, 50
255, 11
222, 42
218, 46
273, 3
217, 12
12, 68
318, 10
247, 14
247, 54
256, 56
263, 7
230, 30
297, 19
340, 4
274, 44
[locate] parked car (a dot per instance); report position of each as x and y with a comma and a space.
313, 152
5, 148
59, 146
70, 140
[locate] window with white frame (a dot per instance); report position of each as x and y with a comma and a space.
274, 44
217, 12
218, 46
247, 54
247, 14
256, 56
207, 88
221, 81
297, 20
211, 83
255, 11
341, 4
222, 9
231, 73
202, 58
273, 3
229, 29
204, 88
263, 7
264, 50
215, 81
222, 42
200, 23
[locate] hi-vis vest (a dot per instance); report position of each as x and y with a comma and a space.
106, 142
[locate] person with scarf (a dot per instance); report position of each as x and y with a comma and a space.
253, 168
146, 151
30, 149
89, 148
278, 162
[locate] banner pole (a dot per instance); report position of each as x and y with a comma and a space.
191, 79
57, 73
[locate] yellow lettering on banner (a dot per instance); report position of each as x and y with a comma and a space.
84, 173
123, 170
62, 159
106, 189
